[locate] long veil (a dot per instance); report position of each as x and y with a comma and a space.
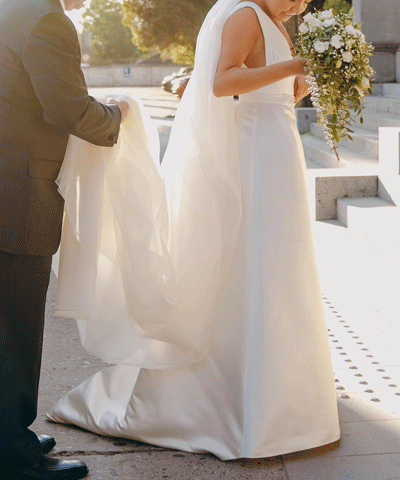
145, 248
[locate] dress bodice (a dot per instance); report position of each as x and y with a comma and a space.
276, 50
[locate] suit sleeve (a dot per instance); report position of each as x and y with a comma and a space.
51, 58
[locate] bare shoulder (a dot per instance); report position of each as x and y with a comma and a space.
243, 22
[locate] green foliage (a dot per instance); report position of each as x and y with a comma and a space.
111, 40
167, 26
337, 57
339, 6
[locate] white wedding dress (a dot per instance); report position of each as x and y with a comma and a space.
232, 357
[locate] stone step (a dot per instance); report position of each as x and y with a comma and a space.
371, 218
364, 141
391, 89
326, 185
384, 104
351, 210
374, 120
316, 150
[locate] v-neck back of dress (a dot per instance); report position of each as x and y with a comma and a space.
276, 50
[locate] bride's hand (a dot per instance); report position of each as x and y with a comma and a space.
298, 65
301, 88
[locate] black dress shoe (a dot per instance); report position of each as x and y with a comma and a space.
51, 468
46, 442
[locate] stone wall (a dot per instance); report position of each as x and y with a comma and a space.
126, 75
381, 25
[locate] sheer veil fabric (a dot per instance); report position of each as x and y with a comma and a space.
157, 256
199, 277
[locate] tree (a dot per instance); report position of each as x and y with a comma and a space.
111, 40
167, 26
340, 6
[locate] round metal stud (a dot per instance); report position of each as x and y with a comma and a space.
363, 382
370, 356
343, 353
386, 378
328, 303
335, 341
355, 337
334, 311
374, 399
339, 387
353, 367
346, 326
337, 380
348, 360
350, 331
376, 363
381, 370
344, 396
392, 385
398, 394
331, 306
360, 343
358, 375
368, 390
339, 348
339, 316
331, 335
342, 321
365, 349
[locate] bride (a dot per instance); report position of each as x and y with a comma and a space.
198, 278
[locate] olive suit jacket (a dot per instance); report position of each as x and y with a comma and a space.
43, 99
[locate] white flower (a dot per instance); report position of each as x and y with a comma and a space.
326, 14
329, 22
312, 21
347, 57
303, 28
336, 41
308, 18
321, 47
351, 30
349, 43
358, 32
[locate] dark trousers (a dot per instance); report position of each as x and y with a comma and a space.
24, 280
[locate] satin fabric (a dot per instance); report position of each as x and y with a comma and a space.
264, 384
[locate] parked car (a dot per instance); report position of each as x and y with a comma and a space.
179, 85
167, 81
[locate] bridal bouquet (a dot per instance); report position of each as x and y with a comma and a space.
337, 58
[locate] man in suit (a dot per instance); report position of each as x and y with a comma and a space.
43, 99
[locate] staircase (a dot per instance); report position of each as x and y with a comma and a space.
362, 190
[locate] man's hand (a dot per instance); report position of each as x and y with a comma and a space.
123, 107
300, 88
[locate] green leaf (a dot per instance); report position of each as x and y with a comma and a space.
327, 60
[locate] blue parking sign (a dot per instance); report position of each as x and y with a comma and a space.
127, 71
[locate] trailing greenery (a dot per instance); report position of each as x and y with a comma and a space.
337, 58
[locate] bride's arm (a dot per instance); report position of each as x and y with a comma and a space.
240, 36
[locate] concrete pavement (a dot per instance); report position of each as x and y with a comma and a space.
361, 308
